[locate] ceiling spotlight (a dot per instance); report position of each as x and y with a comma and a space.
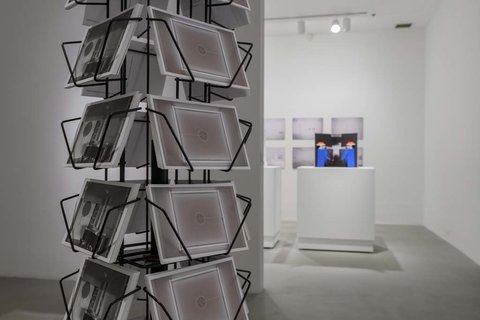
347, 24
301, 27
335, 28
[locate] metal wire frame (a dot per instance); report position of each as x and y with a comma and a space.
249, 284
65, 220
97, 243
151, 296
179, 144
177, 140
105, 82
114, 302
123, 205
244, 141
98, 82
191, 8
237, 232
246, 283
208, 92
102, 140
243, 63
105, 133
177, 46
246, 211
208, 87
210, 4
179, 238
84, 3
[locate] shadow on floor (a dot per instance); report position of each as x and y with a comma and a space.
285, 252
262, 306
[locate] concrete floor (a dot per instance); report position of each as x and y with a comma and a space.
412, 275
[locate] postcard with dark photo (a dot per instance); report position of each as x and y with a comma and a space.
88, 146
114, 43
96, 199
204, 291
98, 285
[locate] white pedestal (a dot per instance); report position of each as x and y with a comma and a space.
336, 209
272, 186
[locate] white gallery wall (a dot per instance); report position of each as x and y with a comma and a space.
375, 75
33, 173
452, 158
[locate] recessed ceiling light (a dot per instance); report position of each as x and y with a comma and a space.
335, 28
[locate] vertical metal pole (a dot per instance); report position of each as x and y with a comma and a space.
107, 15
206, 11
177, 89
123, 90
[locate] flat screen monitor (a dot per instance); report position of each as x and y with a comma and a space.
336, 150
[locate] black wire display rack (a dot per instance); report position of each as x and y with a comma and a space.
147, 258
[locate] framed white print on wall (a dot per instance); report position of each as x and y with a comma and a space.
305, 128
274, 128
303, 157
348, 125
275, 156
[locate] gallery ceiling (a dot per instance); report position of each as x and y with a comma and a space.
381, 14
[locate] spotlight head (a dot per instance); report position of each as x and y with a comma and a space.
335, 28
347, 24
301, 27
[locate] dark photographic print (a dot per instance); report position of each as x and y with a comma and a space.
305, 128
210, 51
350, 125
116, 47
202, 292
96, 199
93, 126
206, 217
303, 157
98, 285
209, 134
